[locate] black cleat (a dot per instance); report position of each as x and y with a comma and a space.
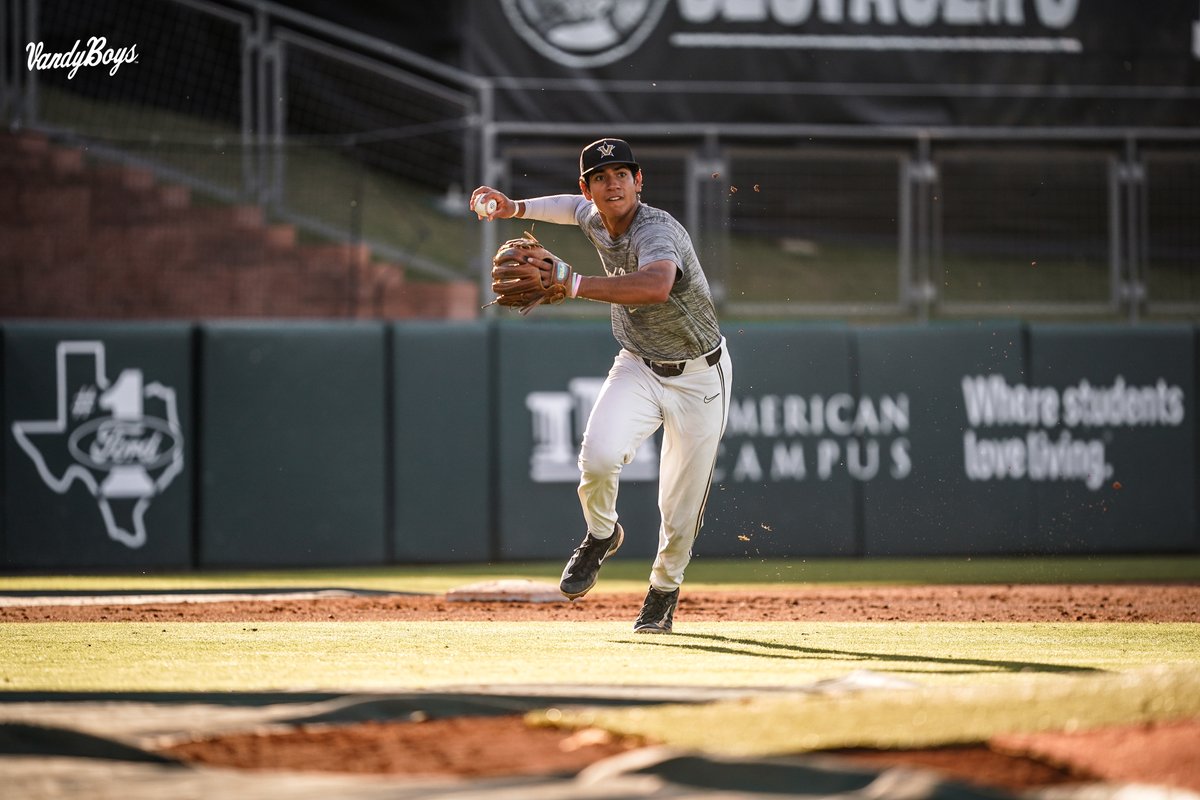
658, 612
581, 572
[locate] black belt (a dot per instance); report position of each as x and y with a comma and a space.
672, 369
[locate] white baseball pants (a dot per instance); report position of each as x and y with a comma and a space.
692, 409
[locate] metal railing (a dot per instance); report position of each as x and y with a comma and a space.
815, 221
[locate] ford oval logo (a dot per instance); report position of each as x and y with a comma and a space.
105, 443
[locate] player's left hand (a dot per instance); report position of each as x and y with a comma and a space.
525, 274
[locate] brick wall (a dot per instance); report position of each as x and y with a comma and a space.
101, 241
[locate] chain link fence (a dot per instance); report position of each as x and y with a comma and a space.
337, 138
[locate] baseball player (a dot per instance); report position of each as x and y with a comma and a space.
673, 369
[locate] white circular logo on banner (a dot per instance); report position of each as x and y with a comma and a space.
584, 33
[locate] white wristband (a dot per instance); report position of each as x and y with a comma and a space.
576, 279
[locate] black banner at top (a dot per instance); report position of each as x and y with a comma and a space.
1106, 63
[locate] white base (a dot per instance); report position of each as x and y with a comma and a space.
509, 590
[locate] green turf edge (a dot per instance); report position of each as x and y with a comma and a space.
630, 575
901, 719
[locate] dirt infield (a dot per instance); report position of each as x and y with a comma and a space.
992, 603
1164, 754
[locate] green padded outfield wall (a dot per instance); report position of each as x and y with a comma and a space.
789, 462
542, 407
442, 383
1112, 457
928, 497
293, 444
98, 442
363, 443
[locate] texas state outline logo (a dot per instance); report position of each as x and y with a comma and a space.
121, 439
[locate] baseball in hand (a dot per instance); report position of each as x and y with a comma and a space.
483, 209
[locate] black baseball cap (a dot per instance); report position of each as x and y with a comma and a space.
604, 152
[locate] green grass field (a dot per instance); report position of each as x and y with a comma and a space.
404, 656
808, 685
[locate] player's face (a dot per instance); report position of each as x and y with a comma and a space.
613, 189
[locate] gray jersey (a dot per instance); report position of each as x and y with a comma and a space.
685, 326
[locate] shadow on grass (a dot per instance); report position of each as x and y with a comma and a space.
729, 645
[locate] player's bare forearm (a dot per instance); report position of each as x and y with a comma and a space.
648, 286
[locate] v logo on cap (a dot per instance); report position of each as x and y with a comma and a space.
602, 153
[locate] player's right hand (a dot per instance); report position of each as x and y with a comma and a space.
480, 198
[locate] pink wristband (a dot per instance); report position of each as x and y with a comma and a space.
576, 279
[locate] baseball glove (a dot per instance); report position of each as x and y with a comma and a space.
525, 274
